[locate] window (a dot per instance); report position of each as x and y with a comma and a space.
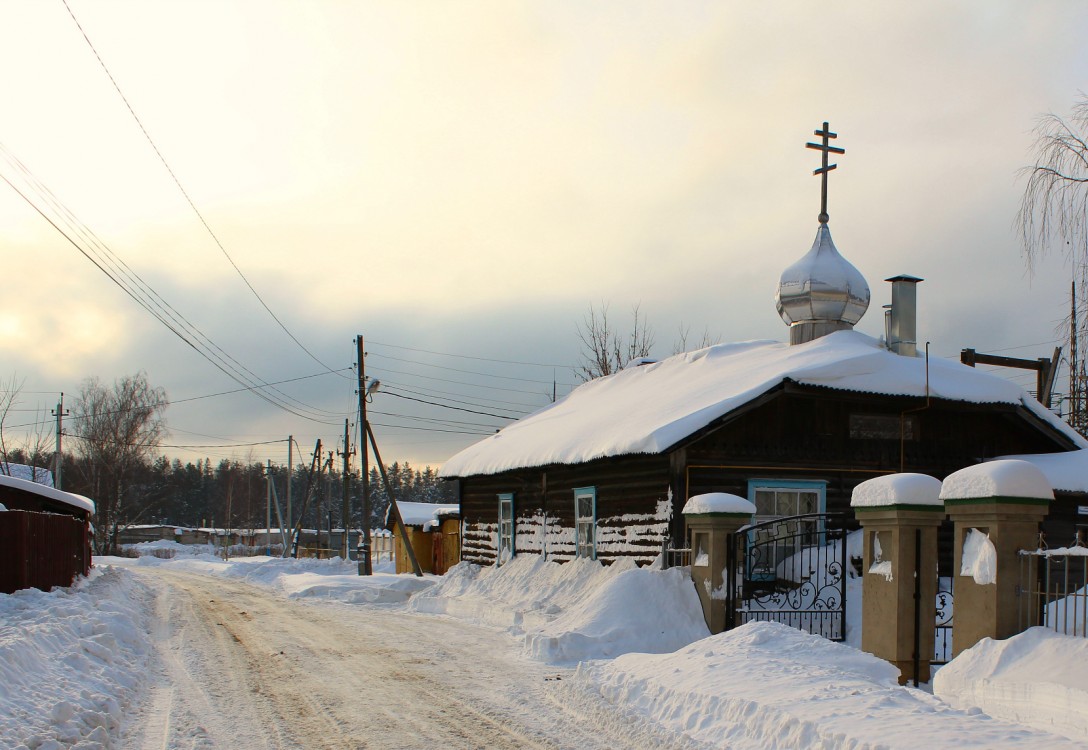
776, 498
585, 522
506, 528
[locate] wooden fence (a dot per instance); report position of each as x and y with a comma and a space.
41, 550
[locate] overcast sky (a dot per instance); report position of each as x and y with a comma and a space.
466, 178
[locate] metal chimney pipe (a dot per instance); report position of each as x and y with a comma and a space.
903, 325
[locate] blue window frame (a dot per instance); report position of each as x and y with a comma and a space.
585, 522
505, 549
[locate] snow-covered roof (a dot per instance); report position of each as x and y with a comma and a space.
1004, 478
651, 408
30, 473
421, 514
1065, 471
69, 498
897, 489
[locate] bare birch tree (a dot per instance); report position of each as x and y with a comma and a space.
1053, 216
606, 351
117, 428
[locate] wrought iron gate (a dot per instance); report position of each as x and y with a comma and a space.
790, 570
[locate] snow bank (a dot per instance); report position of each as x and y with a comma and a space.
765, 685
306, 578
72, 661
897, 489
1037, 678
1005, 478
573, 611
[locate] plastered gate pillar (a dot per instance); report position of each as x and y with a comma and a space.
710, 520
1003, 502
899, 515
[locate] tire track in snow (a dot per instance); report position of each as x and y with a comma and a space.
249, 670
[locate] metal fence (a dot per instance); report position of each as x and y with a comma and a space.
1053, 590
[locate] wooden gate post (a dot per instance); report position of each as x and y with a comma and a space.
711, 520
899, 516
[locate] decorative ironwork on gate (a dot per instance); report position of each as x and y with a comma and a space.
942, 634
790, 570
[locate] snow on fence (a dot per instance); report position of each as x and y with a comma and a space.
1053, 589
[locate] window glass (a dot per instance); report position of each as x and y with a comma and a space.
585, 522
506, 528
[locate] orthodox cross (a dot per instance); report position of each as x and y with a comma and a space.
823, 170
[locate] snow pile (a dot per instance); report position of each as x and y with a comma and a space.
1037, 677
979, 558
167, 548
766, 685
897, 489
307, 577
72, 661
1005, 478
574, 611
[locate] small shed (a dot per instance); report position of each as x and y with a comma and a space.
45, 535
434, 532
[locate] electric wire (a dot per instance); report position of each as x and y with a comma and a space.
467, 356
147, 298
185, 193
472, 372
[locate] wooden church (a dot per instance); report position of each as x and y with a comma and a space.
605, 472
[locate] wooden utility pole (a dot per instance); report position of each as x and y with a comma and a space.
268, 509
367, 567
345, 506
393, 504
290, 476
58, 460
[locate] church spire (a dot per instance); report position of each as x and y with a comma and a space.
822, 292
826, 148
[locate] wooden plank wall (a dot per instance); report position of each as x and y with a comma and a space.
41, 550
634, 509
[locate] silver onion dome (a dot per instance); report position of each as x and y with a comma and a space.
822, 292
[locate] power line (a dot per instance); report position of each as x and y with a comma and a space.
466, 356
446, 406
169, 316
430, 393
184, 193
379, 368
471, 372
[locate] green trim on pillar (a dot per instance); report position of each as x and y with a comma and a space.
899, 506
997, 500
718, 515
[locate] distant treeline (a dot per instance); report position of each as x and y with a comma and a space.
233, 494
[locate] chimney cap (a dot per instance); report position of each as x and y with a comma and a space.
905, 277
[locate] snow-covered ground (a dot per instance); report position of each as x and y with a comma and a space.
84, 667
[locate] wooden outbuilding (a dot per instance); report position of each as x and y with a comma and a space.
45, 535
434, 533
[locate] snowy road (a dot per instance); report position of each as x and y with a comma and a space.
242, 668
